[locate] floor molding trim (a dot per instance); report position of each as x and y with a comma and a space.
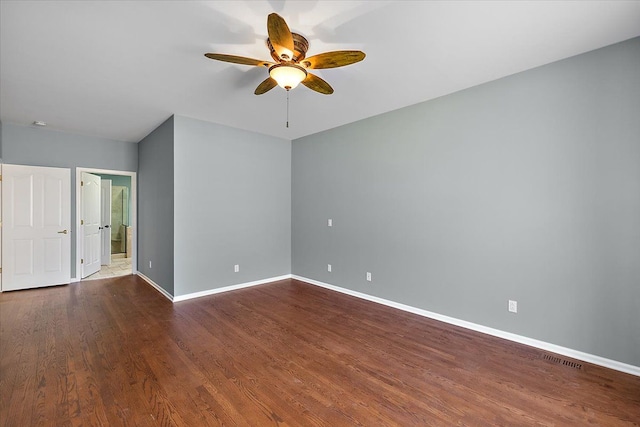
184, 297
156, 286
575, 354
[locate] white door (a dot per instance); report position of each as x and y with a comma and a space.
90, 223
36, 240
105, 219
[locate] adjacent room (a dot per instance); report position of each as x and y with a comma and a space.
323, 213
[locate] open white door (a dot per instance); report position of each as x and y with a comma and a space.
36, 240
90, 224
105, 216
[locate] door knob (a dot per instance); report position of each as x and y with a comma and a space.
62, 232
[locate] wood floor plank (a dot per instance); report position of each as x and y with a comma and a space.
15, 326
116, 352
22, 404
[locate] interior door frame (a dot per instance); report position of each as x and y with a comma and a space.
133, 210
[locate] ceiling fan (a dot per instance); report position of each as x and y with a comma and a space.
290, 66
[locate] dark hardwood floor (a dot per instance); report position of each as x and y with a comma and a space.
115, 352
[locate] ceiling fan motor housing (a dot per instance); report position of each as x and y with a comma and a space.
300, 47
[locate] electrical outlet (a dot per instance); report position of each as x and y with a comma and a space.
513, 306
149, 264
236, 268
329, 268
368, 276
329, 223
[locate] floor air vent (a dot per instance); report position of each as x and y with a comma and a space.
563, 362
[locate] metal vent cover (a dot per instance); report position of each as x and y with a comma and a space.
561, 361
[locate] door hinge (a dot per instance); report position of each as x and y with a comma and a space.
81, 183
0, 270
82, 222
81, 260
0, 177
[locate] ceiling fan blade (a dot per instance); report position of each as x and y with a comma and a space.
280, 36
265, 86
238, 59
316, 83
338, 58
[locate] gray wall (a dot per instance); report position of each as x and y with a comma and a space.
155, 205
232, 206
27, 145
525, 188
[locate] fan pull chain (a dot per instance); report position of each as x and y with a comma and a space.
287, 108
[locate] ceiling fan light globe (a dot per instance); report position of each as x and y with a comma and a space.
287, 76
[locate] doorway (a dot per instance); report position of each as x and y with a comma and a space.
119, 232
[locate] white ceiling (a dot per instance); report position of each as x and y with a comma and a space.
117, 69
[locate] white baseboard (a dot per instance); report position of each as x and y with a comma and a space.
575, 354
156, 286
229, 288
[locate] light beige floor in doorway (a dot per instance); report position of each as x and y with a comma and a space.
120, 266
